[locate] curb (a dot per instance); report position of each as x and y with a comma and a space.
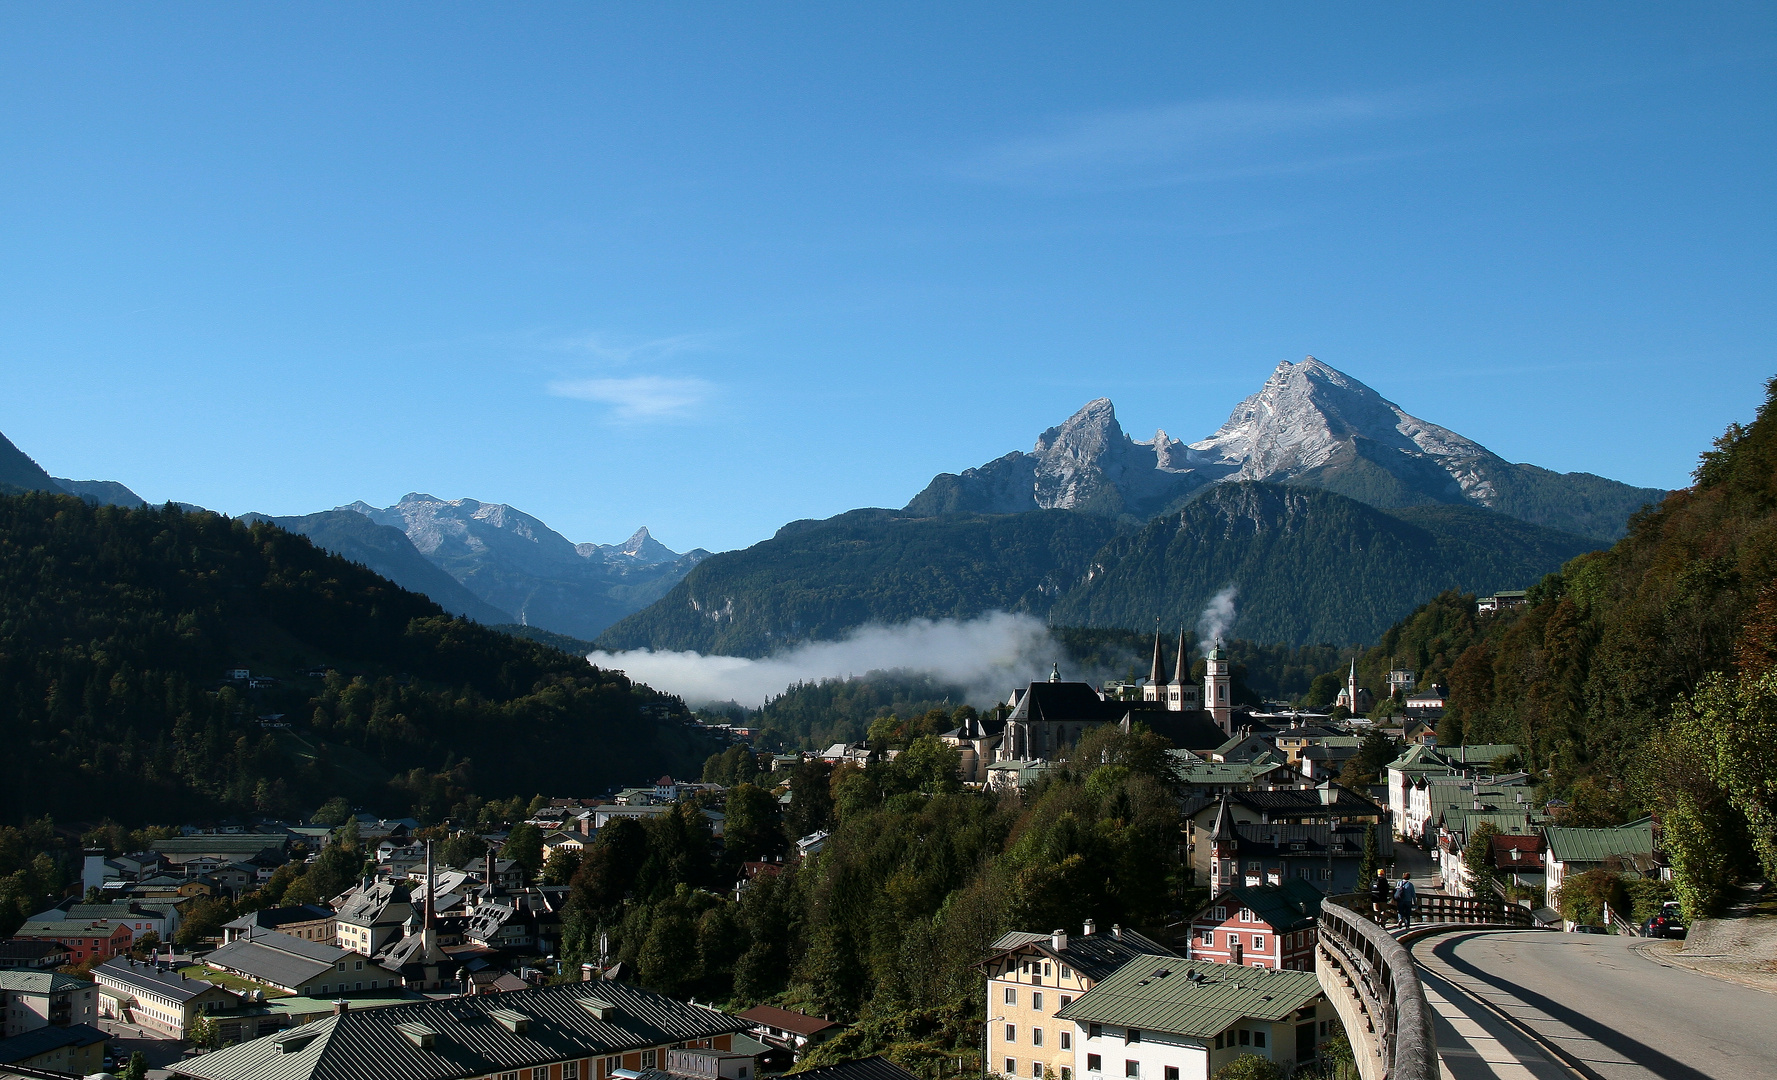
1555, 1053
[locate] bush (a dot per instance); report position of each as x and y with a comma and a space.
1249, 1067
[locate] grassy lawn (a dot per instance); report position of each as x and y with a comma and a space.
232, 982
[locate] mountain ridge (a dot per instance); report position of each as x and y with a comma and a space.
1309, 424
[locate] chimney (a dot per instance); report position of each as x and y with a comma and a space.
1117, 931
1090, 928
586, 971
1059, 940
340, 1005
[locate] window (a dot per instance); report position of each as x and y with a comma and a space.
341, 966
1131, 1035
1066, 973
1011, 995
647, 1059
1067, 1073
1036, 1036
1064, 1000
1246, 914
1011, 1067
1036, 1000
570, 1070
1045, 967
1219, 914
509, 1076
1172, 1072
1132, 1069
1246, 1037
1258, 942
1067, 1040
1218, 1041
1209, 938
1093, 1031
358, 965
1092, 1063
1036, 1070
1258, 1038
1011, 1033
612, 1064
323, 988
360, 986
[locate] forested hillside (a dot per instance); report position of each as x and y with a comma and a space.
116, 627
1308, 565
1644, 677
917, 879
817, 579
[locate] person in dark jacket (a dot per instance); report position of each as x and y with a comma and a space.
1404, 896
1380, 891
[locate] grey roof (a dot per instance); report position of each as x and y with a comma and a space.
368, 907
45, 1039
1095, 957
278, 959
272, 918
233, 845
467, 1038
38, 982
1157, 993
149, 978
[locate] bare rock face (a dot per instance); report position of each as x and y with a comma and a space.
1310, 415
1310, 424
1088, 463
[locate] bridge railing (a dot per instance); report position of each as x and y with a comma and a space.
1379, 972
1397, 1041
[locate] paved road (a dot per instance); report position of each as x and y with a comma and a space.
1624, 1016
125, 1038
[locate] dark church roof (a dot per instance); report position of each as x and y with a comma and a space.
1066, 702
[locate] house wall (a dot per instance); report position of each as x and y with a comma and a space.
1148, 1059
1211, 940
1026, 976
22, 1011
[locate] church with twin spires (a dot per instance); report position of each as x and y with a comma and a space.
1180, 694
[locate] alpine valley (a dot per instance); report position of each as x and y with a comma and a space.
1329, 509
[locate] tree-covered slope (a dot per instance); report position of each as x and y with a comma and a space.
116, 627
1307, 565
817, 579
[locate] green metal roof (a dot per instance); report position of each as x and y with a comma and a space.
1420, 758
1477, 753
1286, 908
1138, 996
1567, 845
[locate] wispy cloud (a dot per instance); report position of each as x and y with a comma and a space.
639, 397
614, 349
1215, 139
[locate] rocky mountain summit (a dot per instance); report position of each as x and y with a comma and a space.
1309, 424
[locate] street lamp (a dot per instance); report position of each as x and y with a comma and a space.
987, 1040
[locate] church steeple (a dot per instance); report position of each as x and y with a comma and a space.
1178, 671
1156, 674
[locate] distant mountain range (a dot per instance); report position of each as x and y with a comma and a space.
1310, 424
1331, 510
523, 569
495, 564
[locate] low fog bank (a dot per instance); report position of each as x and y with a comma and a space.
988, 656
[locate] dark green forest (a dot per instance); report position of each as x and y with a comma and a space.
1309, 566
116, 628
815, 580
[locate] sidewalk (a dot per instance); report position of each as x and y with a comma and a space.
1741, 946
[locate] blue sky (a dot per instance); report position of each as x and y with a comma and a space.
717, 267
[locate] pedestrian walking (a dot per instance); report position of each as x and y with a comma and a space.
1380, 891
1404, 896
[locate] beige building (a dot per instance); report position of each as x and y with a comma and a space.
1031, 977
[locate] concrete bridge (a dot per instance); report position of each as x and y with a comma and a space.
1474, 992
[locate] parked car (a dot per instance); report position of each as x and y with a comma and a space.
1669, 923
